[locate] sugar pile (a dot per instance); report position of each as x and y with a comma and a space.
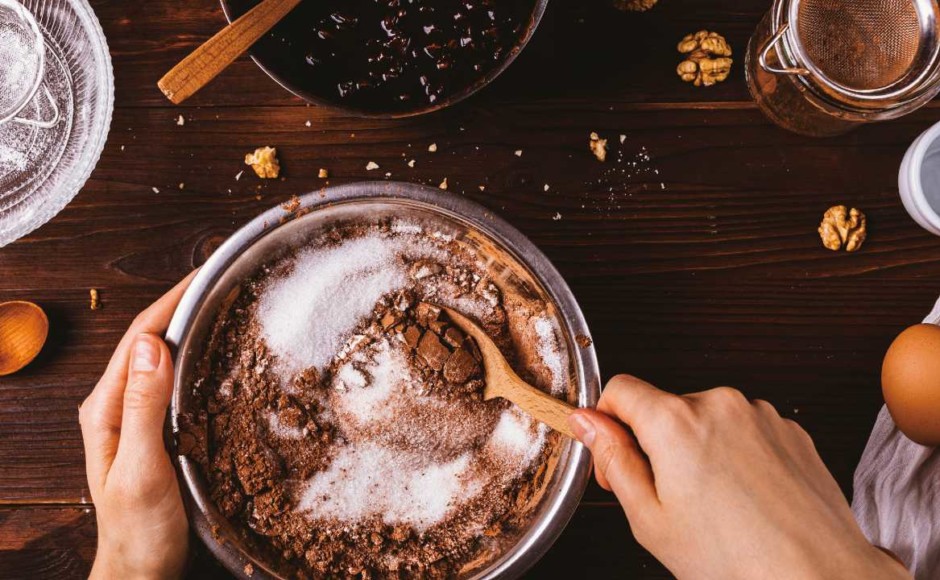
404, 455
551, 353
366, 397
308, 315
368, 480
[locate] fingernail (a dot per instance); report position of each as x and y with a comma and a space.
583, 429
146, 355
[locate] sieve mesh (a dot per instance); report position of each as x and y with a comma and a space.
20, 62
860, 44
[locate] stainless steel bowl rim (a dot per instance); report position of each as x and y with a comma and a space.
561, 500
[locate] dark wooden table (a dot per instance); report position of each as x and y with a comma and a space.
698, 267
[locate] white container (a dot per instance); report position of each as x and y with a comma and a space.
919, 180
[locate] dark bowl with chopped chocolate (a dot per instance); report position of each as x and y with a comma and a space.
393, 58
327, 416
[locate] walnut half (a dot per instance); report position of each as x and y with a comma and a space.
706, 62
842, 227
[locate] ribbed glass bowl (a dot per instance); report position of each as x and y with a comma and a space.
41, 170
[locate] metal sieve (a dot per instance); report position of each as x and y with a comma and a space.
22, 63
867, 59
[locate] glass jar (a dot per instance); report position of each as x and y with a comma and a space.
817, 69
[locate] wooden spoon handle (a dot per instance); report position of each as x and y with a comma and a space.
544, 407
206, 62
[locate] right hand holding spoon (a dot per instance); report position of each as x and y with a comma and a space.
718, 487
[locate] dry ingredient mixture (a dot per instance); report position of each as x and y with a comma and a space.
344, 430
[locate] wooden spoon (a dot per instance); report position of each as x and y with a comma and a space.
23, 331
502, 381
206, 62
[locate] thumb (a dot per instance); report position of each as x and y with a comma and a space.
619, 465
149, 385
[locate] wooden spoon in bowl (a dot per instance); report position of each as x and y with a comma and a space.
502, 381
23, 331
206, 62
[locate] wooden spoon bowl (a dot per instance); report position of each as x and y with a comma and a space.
24, 328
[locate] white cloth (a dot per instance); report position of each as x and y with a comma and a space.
897, 494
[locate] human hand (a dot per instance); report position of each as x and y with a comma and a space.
142, 526
719, 487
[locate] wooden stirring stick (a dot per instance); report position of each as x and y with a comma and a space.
502, 381
206, 62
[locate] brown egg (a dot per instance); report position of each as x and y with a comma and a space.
910, 381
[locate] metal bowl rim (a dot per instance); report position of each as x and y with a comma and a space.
563, 499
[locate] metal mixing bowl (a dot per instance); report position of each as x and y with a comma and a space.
513, 258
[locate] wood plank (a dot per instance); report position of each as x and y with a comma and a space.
589, 49
719, 278
60, 543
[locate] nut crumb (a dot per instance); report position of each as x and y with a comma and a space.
291, 205
482, 188
181, 121
622, 139
598, 147
411, 163
557, 216
264, 162
372, 165
323, 173
546, 187
95, 303
706, 58
249, 569
518, 153
432, 148
843, 228
308, 124
443, 184
583, 341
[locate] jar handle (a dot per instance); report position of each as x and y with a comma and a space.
762, 58
43, 124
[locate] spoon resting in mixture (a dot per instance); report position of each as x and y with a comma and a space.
503, 382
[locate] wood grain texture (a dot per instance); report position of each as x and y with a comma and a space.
697, 267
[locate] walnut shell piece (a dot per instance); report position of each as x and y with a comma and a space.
264, 162
842, 227
598, 147
634, 5
707, 60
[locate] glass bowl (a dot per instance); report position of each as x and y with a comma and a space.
42, 169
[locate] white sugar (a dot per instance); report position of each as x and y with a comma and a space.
400, 487
551, 353
307, 316
367, 399
515, 438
